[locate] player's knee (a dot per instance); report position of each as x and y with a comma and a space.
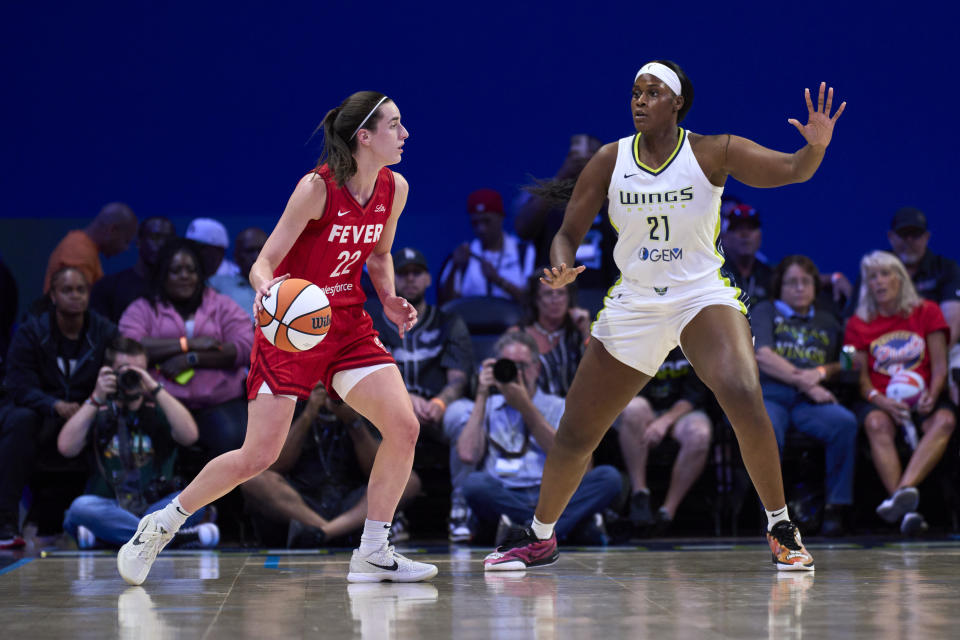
574, 440
737, 386
255, 461
404, 432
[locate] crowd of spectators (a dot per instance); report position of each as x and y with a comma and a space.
142, 372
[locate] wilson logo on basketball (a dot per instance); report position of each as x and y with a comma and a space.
321, 323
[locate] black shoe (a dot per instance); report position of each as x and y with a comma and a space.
913, 524
833, 521
662, 522
10, 537
640, 514
301, 536
591, 531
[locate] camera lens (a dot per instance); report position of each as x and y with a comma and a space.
505, 370
129, 381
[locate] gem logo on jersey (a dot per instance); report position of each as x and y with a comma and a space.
897, 351
660, 255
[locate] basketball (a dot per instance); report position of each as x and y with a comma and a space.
296, 316
906, 386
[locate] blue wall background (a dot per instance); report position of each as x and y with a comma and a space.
188, 109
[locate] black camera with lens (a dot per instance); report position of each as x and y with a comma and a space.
505, 370
128, 385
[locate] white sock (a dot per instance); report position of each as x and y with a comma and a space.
541, 530
374, 536
777, 515
172, 516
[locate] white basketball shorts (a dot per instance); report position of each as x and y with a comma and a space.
640, 326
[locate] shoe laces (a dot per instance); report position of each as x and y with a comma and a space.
515, 536
787, 535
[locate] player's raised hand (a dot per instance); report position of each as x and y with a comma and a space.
401, 313
263, 291
819, 128
557, 277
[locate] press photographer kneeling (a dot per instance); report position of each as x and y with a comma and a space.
130, 427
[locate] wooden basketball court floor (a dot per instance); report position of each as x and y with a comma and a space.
675, 590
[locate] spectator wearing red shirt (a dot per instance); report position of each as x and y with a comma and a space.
893, 330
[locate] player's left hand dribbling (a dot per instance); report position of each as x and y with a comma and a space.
263, 291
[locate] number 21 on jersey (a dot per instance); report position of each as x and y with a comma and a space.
654, 223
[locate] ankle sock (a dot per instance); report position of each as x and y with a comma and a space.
541, 530
777, 515
172, 516
374, 537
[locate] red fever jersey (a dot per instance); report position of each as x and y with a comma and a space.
894, 343
330, 252
332, 249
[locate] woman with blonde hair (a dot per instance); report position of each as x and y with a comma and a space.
895, 330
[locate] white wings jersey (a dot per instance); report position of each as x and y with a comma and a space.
667, 219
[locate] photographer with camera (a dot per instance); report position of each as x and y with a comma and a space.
130, 426
508, 431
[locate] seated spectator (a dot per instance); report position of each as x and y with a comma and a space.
109, 233
201, 342
671, 404
561, 330
494, 263
52, 368
8, 310
935, 277
894, 330
113, 293
317, 488
435, 359
540, 209
508, 431
129, 426
740, 235
236, 286
798, 349
212, 243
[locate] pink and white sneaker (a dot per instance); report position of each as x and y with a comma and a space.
522, 550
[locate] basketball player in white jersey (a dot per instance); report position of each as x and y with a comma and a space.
663, 186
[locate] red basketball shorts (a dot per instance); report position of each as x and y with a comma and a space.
352, 343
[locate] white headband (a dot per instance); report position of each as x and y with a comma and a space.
377, 106
662, 72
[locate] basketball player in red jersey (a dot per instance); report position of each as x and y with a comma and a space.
341, 215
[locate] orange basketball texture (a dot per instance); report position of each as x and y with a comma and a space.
296, 315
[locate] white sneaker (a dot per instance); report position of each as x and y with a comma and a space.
85, 538
386, 565
902, 502
137, 556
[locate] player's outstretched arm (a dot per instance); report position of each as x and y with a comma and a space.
758, 166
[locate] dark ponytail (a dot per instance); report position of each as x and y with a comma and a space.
340, 127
